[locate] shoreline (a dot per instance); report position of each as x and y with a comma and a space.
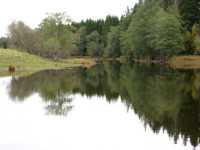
25, 63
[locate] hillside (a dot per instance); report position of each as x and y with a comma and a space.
25, 62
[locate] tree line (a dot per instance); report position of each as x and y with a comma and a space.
153, 29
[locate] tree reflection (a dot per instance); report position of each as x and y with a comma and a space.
163, 99
61, 105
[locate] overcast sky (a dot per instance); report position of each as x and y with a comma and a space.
33, 11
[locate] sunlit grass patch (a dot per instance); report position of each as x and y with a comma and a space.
185, 62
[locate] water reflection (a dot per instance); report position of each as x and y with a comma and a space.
163, 99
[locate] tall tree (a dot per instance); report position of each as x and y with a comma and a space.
22, 37
138, 31
94, 44
82, 43
166, 37
113, 47
57, 35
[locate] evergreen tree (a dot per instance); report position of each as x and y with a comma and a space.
83, 41
190, 12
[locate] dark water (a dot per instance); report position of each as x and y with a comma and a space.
107, 107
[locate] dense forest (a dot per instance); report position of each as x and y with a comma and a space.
152, 29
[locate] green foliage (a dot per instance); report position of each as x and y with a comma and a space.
151, 29
138, 31
166, 37
94, 45
22, 37
100, 25
125, 19
113, 46
167, 3
155, 32
56, 34
110, 22
125, 44
196, 36
82, 43
192, 39
54, 37
190, 12
189, 42
3, 42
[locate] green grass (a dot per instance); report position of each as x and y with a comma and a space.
27, 63
24, 61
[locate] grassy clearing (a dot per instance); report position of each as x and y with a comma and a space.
185, 62
25, 62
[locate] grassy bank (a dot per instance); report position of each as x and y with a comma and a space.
185, 62
25, 62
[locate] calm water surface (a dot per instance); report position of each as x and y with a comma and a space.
107, 107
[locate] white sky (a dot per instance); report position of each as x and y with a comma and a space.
33, 11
